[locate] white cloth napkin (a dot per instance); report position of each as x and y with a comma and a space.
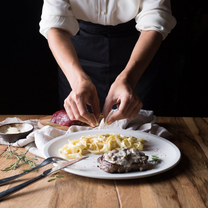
145, 121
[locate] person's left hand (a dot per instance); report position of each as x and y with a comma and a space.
124, 95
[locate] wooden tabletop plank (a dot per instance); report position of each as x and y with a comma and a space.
198, 127
84, 192
135, 193
194, 162
2, 148
70, 191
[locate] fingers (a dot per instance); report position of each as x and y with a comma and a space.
70, 112
129, 108
74, 113
109, 102
95, 105
83, 112
129, 113
77, 110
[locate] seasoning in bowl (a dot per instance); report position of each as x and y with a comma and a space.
15, 131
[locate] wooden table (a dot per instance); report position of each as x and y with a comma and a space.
184, 186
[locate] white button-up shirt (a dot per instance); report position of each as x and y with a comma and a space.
148, 14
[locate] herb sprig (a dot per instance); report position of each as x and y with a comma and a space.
21, 158
54, 176
154, 159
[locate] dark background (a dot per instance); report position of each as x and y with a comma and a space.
28, 71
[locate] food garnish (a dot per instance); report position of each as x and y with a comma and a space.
20, 158
54, 176
154, 159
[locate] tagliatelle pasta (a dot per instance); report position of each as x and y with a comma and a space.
99, 144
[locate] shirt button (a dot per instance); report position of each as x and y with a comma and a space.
103, 13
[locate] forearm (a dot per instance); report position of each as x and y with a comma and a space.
142, 54
65, 55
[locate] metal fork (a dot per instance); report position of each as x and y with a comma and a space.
45, 162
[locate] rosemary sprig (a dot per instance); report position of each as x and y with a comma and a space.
8, 153
59, 176
52, 179
54, 176
154, 159
20, 158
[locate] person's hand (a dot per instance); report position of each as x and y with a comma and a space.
75, 104
128, 103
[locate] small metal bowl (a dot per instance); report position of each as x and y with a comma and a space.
15, 131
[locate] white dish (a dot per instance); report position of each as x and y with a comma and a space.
167, 152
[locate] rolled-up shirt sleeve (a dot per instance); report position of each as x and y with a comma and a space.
57, 14
155, 15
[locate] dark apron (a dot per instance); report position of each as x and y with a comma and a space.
103, 52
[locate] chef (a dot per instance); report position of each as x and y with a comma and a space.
103, 49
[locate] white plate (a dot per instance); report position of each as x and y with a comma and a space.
167, 151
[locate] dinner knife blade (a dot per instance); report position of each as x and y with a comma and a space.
44, 174
61, 166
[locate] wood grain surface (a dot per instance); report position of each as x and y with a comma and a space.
184, 186
2, 148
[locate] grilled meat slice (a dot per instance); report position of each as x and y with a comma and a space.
125, 160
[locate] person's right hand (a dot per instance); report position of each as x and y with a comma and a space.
75, 104
128, 103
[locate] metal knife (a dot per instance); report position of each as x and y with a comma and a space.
44, 174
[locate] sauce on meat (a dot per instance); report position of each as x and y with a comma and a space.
125, 157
